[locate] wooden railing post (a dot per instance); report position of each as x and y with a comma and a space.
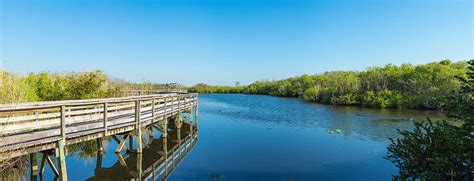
191, 119
196, 109
62, 146
179, 105
63, 122
185, 104
137, 113
164, 131
138, 126
105, 119
152, 110
190, 102
172, 105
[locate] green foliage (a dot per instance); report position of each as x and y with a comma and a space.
462, 102
426, 86
261, 87
431, 151
14, 89
385, 99
204, 88
312, 94
49, 87
46, 86
145, 86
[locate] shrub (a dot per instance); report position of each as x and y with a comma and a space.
311, 94
433, 151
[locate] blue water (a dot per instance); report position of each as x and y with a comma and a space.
252, 137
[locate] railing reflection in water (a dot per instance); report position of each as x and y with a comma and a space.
159, 159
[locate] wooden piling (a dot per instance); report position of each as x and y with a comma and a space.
98, 162
100, 147
33, 166
130, 143
165, 150
139, 166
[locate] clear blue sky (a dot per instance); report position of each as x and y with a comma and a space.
224, 41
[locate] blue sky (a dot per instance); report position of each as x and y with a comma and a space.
224, 41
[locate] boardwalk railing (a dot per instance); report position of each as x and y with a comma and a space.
32, 127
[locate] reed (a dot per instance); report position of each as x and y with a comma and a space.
12, 88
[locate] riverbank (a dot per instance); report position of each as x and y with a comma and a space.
407, 86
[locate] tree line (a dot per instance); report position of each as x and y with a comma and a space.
426, 86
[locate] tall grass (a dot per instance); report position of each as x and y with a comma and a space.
12, 88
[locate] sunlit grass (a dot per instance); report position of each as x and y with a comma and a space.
12, 88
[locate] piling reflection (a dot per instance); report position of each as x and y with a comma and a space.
160, 157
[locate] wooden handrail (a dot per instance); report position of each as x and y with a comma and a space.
55, 104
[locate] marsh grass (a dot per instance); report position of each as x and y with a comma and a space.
12, 88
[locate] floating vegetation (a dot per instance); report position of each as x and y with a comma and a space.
217, 176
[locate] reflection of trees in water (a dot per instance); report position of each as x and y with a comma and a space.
350, 121
87, 149
375, 124
19, 167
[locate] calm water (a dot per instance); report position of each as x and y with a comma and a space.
249, 137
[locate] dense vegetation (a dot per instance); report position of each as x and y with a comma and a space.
50, 86
47, 86
407, 86
440, 151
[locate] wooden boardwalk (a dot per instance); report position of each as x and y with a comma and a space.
29, 128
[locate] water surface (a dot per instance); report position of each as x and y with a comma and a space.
252, 137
